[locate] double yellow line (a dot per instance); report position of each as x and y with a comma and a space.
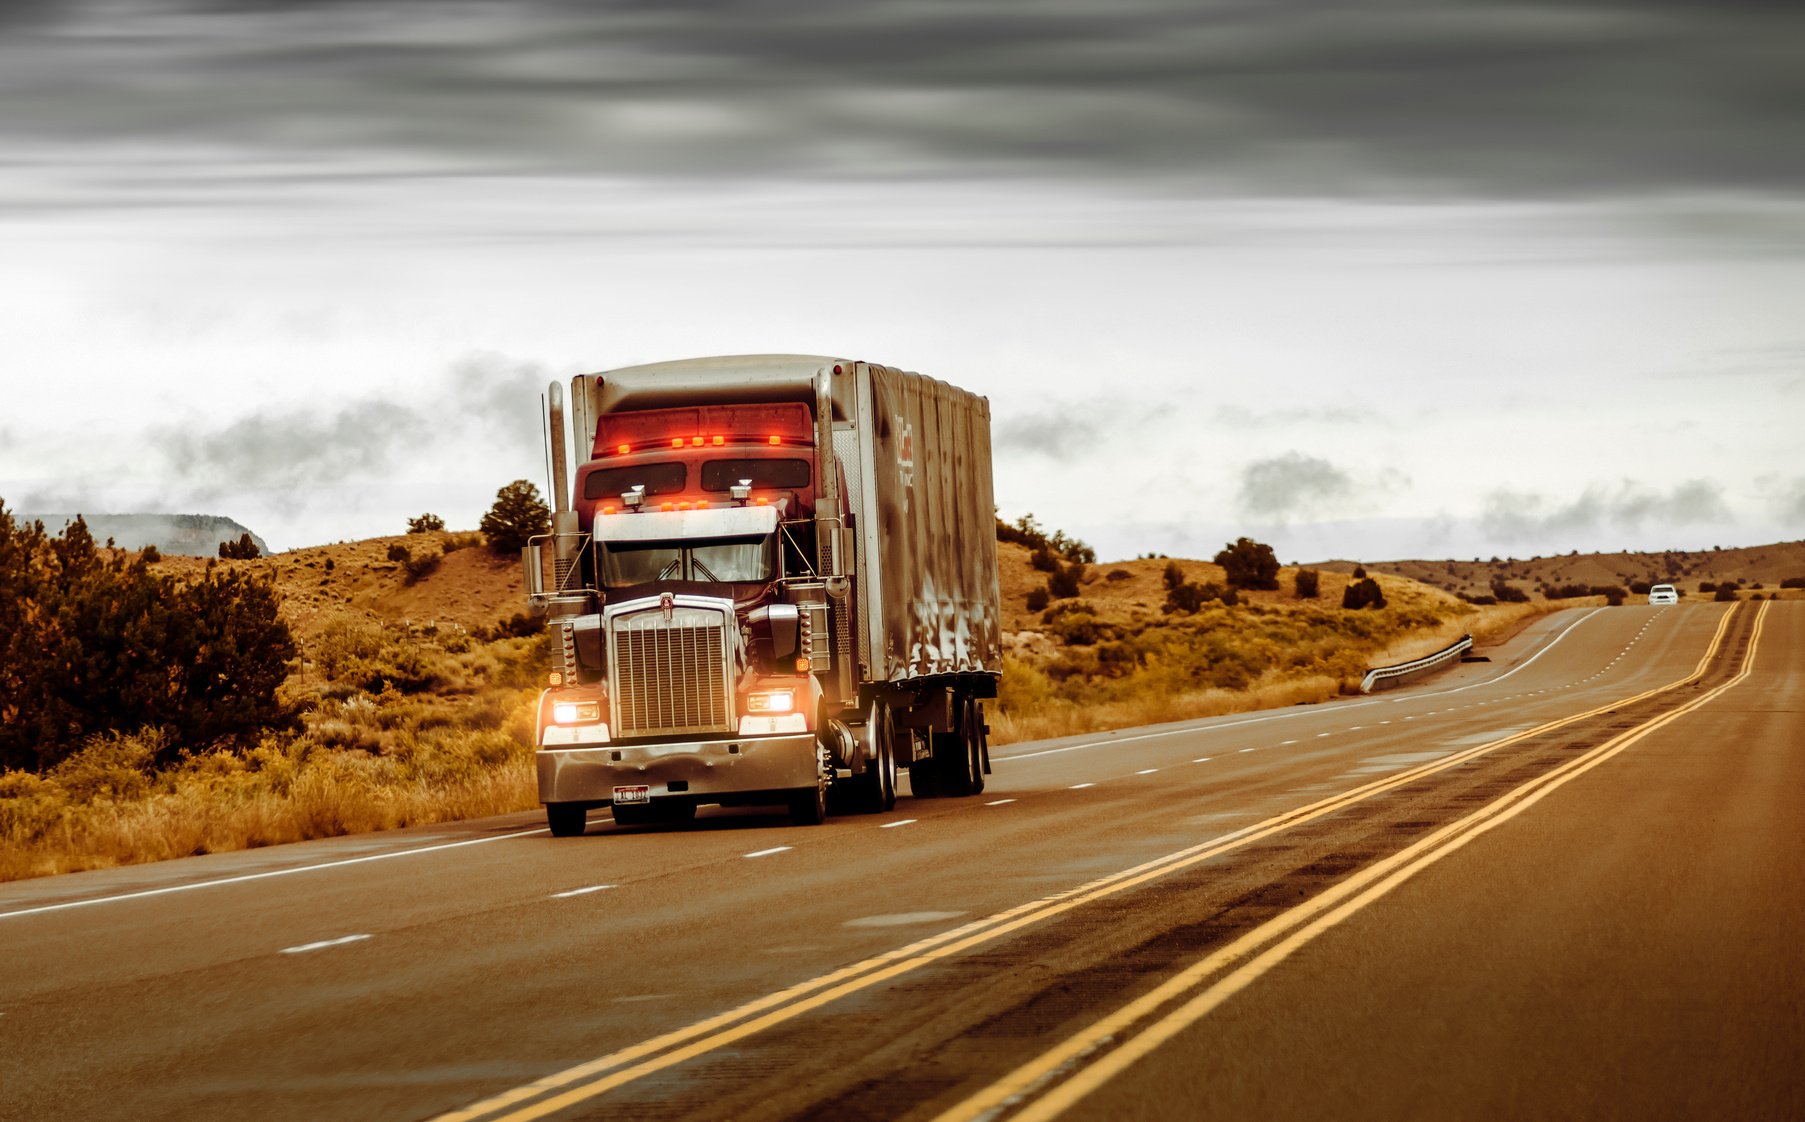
586, 1081
1266, 946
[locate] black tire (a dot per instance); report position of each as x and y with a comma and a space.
953, 752
567, 820
924, 778
632, 814
874, 792
976, 743
808, 806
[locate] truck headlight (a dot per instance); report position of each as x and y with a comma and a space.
576, 712
771, 701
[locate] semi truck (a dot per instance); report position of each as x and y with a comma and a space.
771, 580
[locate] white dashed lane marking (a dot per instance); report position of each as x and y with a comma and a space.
304, 948
584, 891
769, 852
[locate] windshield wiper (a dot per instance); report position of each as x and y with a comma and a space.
701, 568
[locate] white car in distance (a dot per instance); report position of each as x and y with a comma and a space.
1663, 594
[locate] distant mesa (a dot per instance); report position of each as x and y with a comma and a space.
198, 535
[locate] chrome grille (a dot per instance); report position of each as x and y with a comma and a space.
671, 677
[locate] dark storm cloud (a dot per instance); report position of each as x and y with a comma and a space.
1292, 485
1521, 516
1426, 97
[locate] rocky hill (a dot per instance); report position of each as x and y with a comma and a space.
197, 535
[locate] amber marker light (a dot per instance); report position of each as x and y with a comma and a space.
555, 678
696, 441
719, 440
777, 440
624, 449
802, 665
676, 442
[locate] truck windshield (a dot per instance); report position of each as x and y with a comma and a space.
723, 560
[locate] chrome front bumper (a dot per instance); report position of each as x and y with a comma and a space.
702, 770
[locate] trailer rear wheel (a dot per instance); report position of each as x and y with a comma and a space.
874, 792
976, 744
954, 752
567, 820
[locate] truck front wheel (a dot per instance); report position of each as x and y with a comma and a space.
567, 820
808, 807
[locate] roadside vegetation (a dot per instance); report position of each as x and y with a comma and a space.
1163, 640
156, 706
145, 715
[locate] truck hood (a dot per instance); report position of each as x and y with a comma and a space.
678, 525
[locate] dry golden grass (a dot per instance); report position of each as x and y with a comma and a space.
407, 725
399, 729
1113, 658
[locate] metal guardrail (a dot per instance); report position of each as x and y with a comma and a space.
1393, 674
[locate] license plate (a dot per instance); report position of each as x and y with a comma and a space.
632, 795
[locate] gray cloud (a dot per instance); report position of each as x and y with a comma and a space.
1293, 485
1421, 98
1052, 432
1524, 516
1788, 501
485, 398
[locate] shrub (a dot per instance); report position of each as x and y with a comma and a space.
415, 567
1708, 586
1359, 572
518, 514
1249, 564
1480, 601
1118, 574
1507, 593
465, 540
151, 554
1026, 531
244, 549
1363, 593
425, 524
93, 644
1173, 575
1042, 560
1614, 596
1640, 587
1038, 598
1793, 582
1307, 584
1064, 582
1725, 592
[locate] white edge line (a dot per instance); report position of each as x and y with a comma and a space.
323, 944
769, 852
1080, 786
266, 875
1297, 711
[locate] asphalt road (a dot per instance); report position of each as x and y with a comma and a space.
1563, 883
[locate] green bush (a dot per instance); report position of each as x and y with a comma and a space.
1307, 584
244, 549
1249, 564
1363, 593
518, 515
93, 643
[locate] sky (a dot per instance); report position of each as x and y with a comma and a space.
1370, 280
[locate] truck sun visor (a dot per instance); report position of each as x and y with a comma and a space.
676, 525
